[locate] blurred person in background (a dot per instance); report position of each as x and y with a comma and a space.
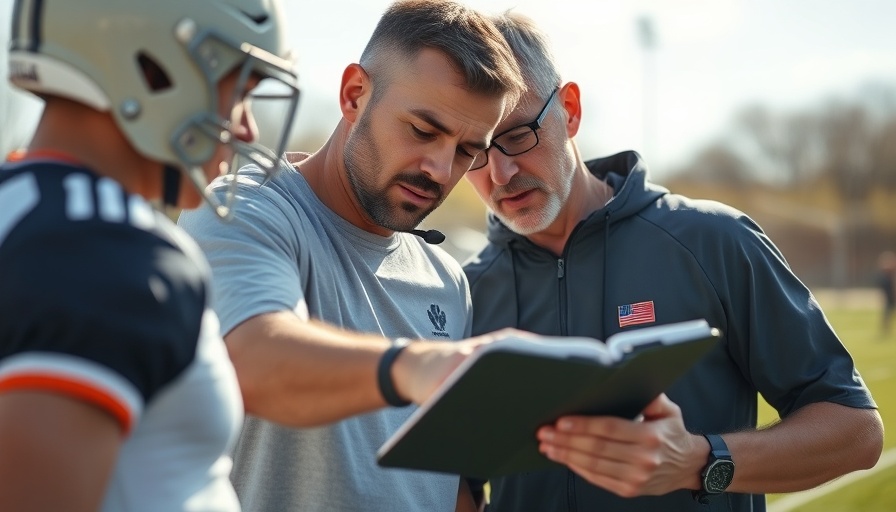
592, 248
321, 278
116, 391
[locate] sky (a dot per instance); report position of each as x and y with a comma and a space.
710, 59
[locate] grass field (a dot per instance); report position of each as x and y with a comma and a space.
875, 357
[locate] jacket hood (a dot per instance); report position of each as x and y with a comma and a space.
626, 172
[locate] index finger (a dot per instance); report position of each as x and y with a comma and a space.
609, 427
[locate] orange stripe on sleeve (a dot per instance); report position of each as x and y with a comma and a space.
75, 389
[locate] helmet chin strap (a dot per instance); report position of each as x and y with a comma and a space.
170, 185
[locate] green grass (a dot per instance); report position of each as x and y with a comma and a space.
876, 493
875, 357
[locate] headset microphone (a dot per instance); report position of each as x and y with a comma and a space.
431, 236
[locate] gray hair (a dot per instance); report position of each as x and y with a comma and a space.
469, 39
532, 49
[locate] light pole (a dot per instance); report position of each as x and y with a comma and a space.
648, 40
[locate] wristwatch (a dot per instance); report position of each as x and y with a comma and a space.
719, 471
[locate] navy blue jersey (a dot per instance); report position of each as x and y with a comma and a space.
104, 300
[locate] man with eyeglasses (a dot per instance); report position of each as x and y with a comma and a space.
517, 139
575, 247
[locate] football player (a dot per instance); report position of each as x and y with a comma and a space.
116, 392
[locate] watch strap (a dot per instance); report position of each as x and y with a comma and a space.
718, 450
717, 447
384, 373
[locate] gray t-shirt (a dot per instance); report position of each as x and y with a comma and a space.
285, 250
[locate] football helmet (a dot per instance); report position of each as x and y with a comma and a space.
155, 66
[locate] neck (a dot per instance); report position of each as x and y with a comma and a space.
587, 195
325, 173
92, 138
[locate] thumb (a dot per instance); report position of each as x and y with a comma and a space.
660, 407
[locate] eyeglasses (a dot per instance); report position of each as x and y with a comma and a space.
517, 140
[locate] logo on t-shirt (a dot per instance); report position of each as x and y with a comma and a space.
438, 319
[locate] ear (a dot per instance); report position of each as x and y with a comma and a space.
353, 92
568, 95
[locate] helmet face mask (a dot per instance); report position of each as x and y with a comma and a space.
157, 68
270, 79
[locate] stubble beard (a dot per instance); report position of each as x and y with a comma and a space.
529, 221
534, 219
362, 161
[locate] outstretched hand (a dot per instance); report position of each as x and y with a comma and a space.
651, 455
423, 366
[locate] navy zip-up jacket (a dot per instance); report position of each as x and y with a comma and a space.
691, 259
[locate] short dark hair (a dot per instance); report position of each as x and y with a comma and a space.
468, 38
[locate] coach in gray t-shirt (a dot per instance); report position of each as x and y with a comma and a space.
318, 271
285, 250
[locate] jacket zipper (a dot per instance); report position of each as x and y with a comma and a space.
561, 290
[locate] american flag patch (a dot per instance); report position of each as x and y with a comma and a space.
637, 313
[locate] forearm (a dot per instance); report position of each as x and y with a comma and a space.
304, 373
814, 445
657, 455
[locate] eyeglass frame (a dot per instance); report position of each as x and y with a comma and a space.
532, 125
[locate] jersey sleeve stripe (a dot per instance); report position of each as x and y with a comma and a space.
77, 377
78, 390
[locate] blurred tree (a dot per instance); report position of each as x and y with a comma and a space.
828, 169
786, 145
846, 134
760, 127
720, 165
882, 150
801, 153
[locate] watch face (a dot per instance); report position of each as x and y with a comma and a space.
718, 476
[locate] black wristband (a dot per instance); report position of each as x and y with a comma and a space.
384, 374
